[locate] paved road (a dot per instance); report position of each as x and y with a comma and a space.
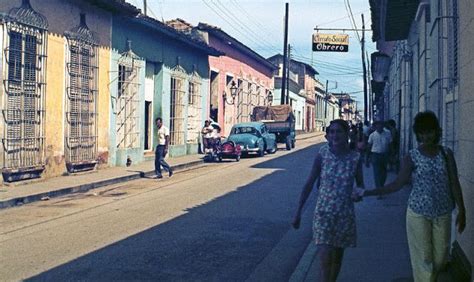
225, 221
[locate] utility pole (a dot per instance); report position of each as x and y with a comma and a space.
285, 56
371, 100
366, 98
287, 100
144, 7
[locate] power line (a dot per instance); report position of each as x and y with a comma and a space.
232, 25
343, 18
236, 19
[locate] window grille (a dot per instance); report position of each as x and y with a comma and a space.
244, 101
177, 106
81, 97
454, 42
194, 108
128, 101
24, 63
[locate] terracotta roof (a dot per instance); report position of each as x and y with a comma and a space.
177, 35
116, 6
219, 33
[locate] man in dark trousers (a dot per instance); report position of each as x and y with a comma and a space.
379, 142
163, 138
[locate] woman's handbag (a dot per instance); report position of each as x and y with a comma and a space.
449, 169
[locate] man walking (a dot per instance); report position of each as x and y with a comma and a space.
379, 142
162, 149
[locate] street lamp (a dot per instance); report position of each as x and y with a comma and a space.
270, 97
233, 93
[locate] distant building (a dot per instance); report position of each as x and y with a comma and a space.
302, 94
348, 107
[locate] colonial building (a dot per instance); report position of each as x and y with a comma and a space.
157, 71
424, 62
347, 107
84, 81
301, 89
55, 67
239, 80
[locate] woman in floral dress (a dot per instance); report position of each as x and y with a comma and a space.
334, 227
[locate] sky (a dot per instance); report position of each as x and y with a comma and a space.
259, 24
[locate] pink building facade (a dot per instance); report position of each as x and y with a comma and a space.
240, 68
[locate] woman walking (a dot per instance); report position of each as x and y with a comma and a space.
435, 191
334, 227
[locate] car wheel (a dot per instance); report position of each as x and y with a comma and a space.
273, 150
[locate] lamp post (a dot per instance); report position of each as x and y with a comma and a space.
233, 93
270, 98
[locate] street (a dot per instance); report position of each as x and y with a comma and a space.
227, 221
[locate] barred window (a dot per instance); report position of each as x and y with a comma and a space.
81, 99
24, 47
177, 107
128, 102
193, 93
454, 42
194, 108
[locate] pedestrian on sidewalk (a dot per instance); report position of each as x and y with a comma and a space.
379, 142
335, 167
435, 192
162, 149
393, 163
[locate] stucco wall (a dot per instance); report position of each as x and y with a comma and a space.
162, 54
63, 16
239, 66
55, 94
465, 154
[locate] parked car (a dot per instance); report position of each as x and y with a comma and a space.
253, 137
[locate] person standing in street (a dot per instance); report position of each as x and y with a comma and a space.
162, 149
379, 142
435, 192
336, 167
206, 134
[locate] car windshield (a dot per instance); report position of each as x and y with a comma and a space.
243, 130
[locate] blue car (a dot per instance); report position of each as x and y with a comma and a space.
253, 137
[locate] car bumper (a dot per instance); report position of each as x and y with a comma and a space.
247, 149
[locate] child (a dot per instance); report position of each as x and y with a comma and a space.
334, 228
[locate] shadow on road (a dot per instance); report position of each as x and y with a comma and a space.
221, 240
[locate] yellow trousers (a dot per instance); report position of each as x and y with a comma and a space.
428, 241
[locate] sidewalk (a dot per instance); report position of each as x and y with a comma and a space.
382, 249
36, 190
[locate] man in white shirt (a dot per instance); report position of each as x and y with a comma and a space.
379, 142
163, 138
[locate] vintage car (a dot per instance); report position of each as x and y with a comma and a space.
253, 137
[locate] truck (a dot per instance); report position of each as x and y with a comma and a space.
279, 120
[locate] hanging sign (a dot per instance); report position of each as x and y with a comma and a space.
330, 42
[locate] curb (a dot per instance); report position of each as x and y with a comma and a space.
18, 201
86, 187
304, 265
